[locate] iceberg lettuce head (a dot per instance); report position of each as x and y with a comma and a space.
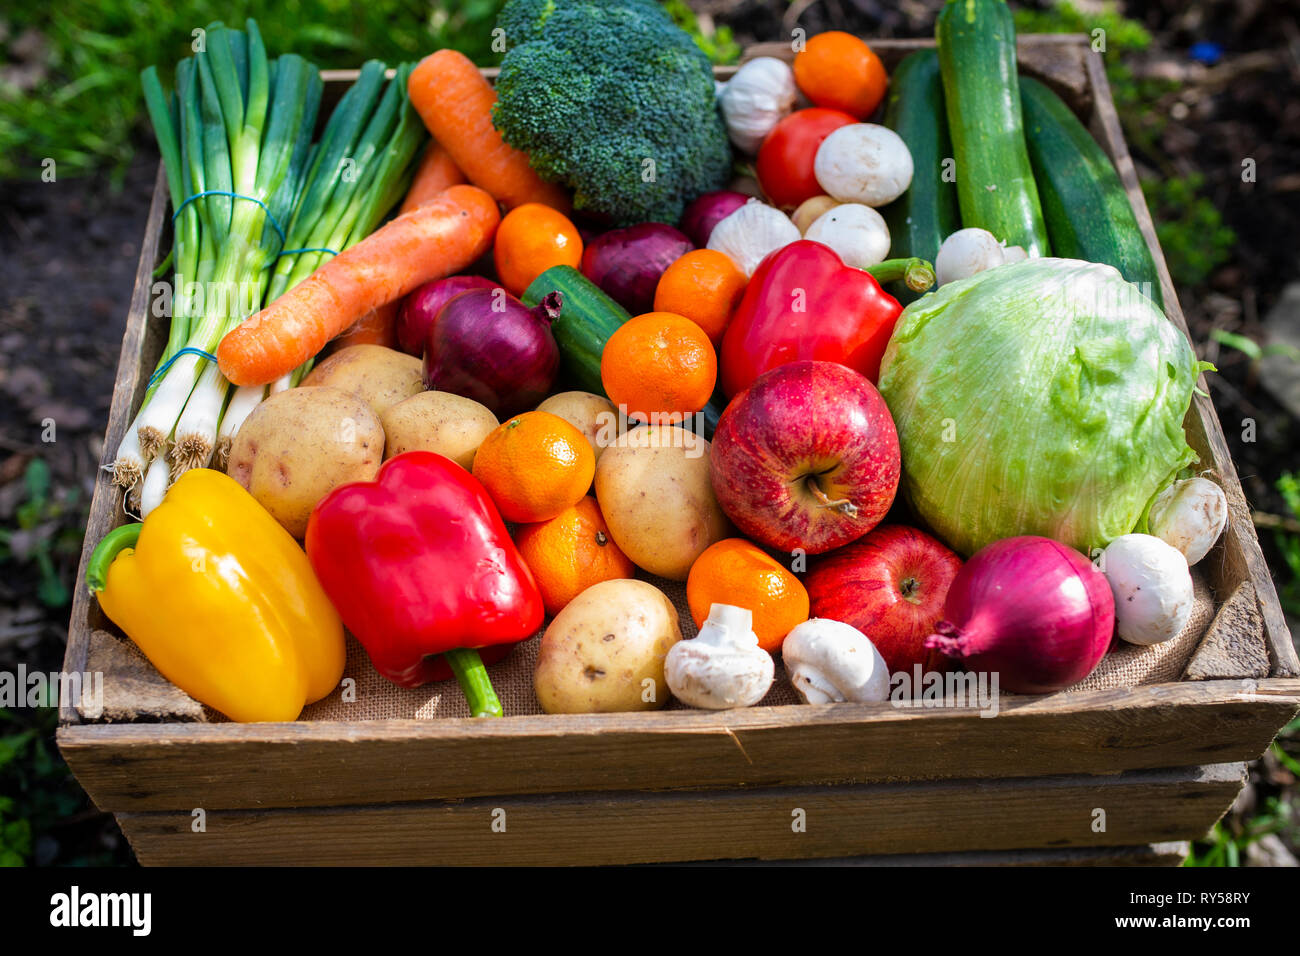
1043, 397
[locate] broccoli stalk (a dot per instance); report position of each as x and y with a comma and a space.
613, 100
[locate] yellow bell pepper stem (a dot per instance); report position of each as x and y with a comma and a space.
113, 544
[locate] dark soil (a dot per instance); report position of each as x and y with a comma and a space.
68, 252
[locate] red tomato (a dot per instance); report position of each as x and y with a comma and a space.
785, 160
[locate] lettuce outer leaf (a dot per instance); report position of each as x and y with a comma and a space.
1043, 397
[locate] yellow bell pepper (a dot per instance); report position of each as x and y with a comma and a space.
222, 600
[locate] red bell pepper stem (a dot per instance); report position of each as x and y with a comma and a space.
474, 681
917, 274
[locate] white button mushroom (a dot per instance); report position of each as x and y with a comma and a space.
863, 163
755, 99
965, 253
857, 232
722, 667
810, 211
1152, 588
1190, 515
833, 661
751, 232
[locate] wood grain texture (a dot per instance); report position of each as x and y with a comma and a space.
1146, 854
1237, 556
233, 766
593, 830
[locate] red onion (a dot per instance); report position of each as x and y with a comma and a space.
419, 309
706, 212
627, 263
1031, 610
487, 345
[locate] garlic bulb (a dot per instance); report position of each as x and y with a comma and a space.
755, 99
751, 232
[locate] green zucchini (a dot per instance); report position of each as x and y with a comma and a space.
1087, 211
995, 183
924, 216
588, 317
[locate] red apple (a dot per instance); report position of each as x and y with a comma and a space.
806, 457
891, 586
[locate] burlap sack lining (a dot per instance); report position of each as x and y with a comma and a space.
372, 697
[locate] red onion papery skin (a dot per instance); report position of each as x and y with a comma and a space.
505, 359
1030, 609
627, 263
707, 211
421, 307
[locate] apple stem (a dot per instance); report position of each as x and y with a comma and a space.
842, 505
908, 589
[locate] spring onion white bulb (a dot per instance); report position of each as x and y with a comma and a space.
156, 482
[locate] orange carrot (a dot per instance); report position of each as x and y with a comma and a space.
376, 327
437, 171
455, 102
438, 239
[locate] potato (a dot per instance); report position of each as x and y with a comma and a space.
382, 377
301, 444
654, 490
605, 651
594, 416
441, 422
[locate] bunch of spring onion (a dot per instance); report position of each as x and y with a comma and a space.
241, 124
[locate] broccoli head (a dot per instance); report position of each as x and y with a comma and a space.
612, 99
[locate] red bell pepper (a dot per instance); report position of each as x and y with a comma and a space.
422, 570
803, 302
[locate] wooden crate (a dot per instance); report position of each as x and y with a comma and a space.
1116, 776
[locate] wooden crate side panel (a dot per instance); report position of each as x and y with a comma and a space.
1237, 557
136, 767
142, 343
777, 824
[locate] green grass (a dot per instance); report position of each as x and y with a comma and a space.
1229, 840
47, 532
1288, 486
1191, 230
87, 113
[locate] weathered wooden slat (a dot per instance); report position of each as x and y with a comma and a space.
1146, 854
232, 766
135, 364
782, 823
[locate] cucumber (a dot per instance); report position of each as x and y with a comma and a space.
1087, 211
995, 183
924, 216
588, 317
